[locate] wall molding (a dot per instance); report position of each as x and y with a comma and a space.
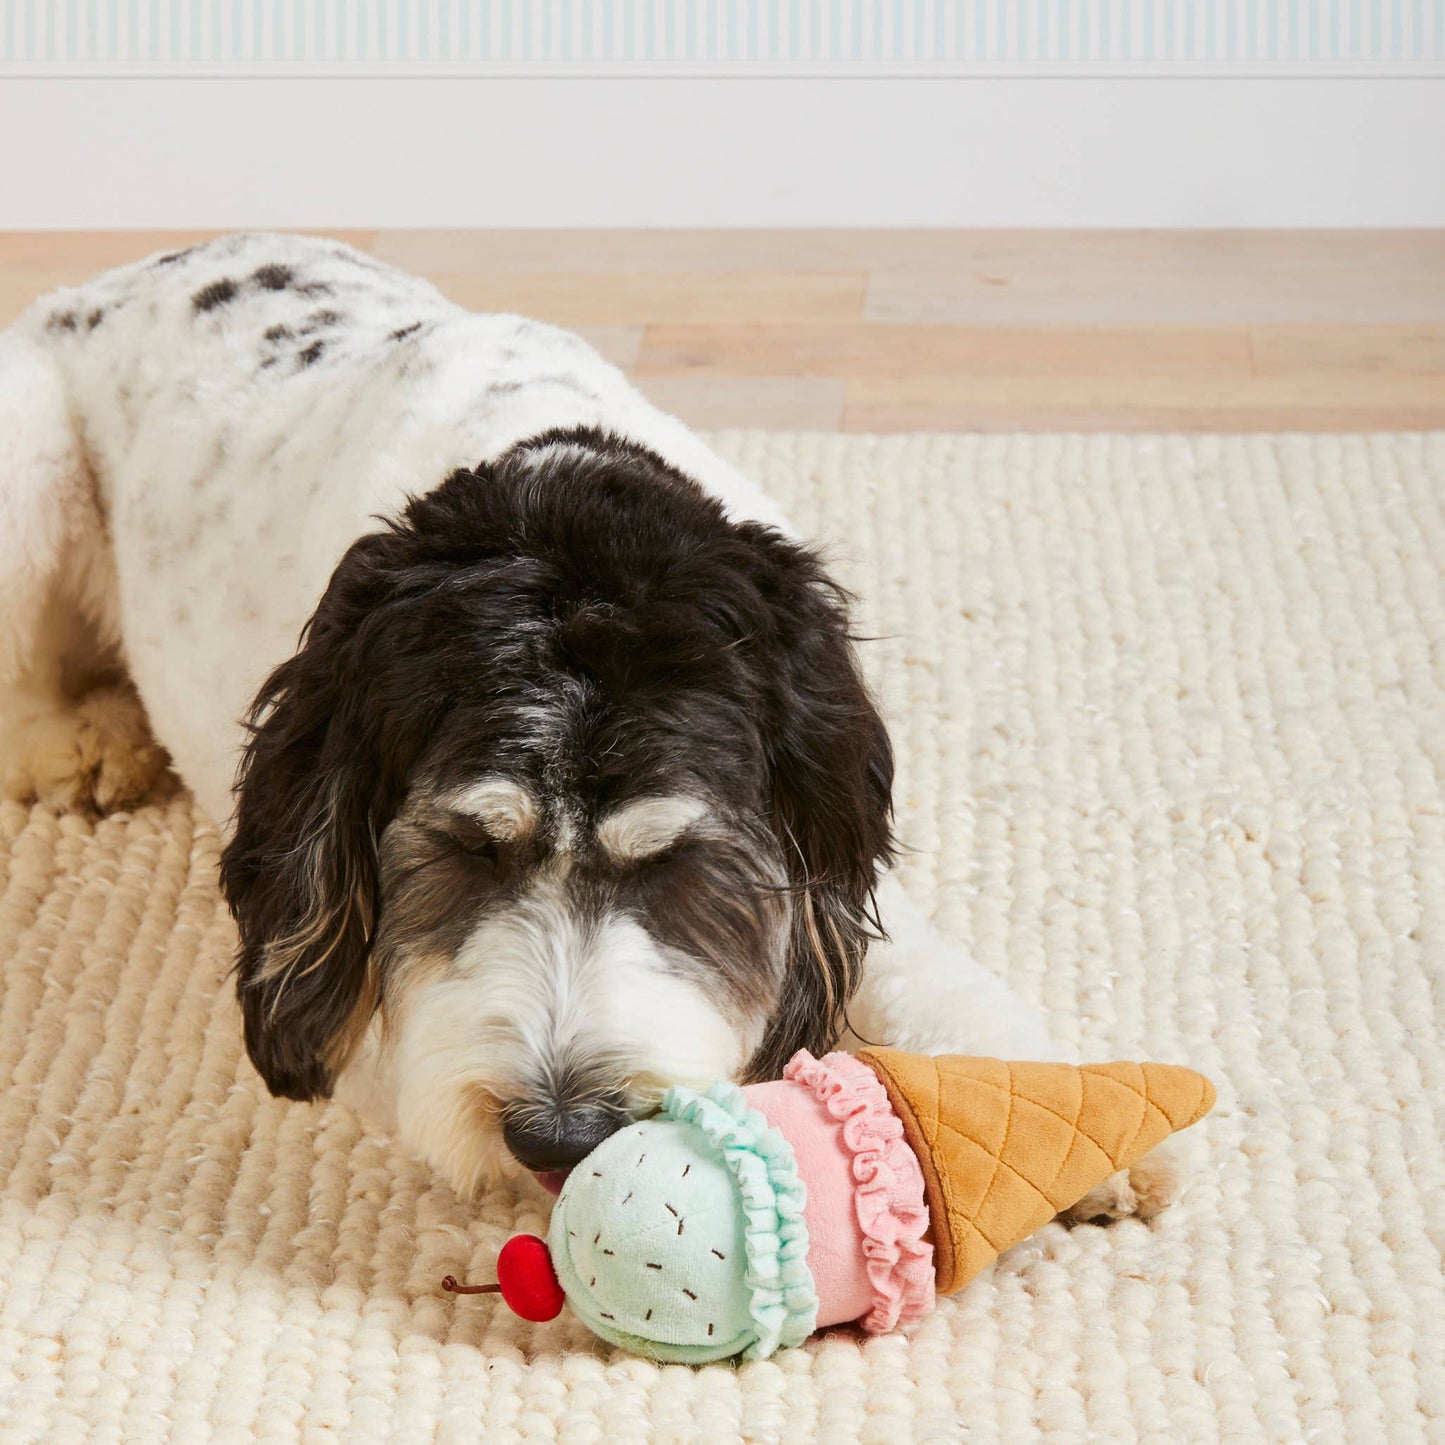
722, 70
797, 35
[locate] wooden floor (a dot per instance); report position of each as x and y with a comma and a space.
944, 330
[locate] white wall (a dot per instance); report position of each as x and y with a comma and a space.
1011, 150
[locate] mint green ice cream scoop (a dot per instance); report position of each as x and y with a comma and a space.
682, 1237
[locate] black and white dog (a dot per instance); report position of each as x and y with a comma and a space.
571, 788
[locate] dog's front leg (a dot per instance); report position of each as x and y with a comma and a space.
921, 993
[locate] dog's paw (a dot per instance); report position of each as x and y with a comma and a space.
98, 754
1150, 1187
123, 760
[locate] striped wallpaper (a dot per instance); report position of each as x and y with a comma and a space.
792, 36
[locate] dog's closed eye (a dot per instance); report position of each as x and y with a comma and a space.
675, 852
464, 835
482, 848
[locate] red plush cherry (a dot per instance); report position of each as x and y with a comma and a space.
525, 1279
528, 1281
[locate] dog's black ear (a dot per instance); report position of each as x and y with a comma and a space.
831, 768
332, 732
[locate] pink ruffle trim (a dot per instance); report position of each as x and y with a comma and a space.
889, 1196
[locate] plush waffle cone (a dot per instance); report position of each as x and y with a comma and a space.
1005, 1146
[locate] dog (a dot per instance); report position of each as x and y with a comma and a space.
545, 770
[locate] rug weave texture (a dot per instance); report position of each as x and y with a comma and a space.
1171, 735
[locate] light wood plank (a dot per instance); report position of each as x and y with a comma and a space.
1158, 401
619, 344
782, 403
885, 349
1095, 257
80, 254
630, 300
661, 252
1277, 349
1190, 277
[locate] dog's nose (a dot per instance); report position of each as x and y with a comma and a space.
546, 1141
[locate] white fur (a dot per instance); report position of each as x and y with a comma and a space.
641, 829
504, 808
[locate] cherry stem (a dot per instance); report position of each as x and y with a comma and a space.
450, 1284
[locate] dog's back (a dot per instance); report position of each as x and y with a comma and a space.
234, 415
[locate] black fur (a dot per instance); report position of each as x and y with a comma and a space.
218, 293
667, 648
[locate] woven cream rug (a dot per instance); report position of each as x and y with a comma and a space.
1170, 724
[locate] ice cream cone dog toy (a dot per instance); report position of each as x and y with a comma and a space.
855, 1188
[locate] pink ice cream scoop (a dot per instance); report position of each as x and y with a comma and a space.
865, 1209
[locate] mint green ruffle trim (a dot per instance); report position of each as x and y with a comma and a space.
775, 1235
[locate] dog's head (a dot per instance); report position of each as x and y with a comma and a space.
573, 791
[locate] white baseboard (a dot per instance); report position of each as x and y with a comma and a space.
685, 151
